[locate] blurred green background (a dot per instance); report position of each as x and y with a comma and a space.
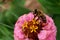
16, 8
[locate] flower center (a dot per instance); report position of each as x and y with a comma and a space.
30, 26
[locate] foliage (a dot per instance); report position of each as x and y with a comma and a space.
9, 17
51, 6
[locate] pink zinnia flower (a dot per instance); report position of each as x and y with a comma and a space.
28, 27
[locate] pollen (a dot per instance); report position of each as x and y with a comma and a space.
31, 25
33, 28
25, 25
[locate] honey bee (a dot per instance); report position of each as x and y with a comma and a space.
40, 15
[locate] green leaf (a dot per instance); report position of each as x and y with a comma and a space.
51, 6
18, 2
18, 10
56, 18
5, 34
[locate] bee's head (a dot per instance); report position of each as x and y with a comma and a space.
40, 15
